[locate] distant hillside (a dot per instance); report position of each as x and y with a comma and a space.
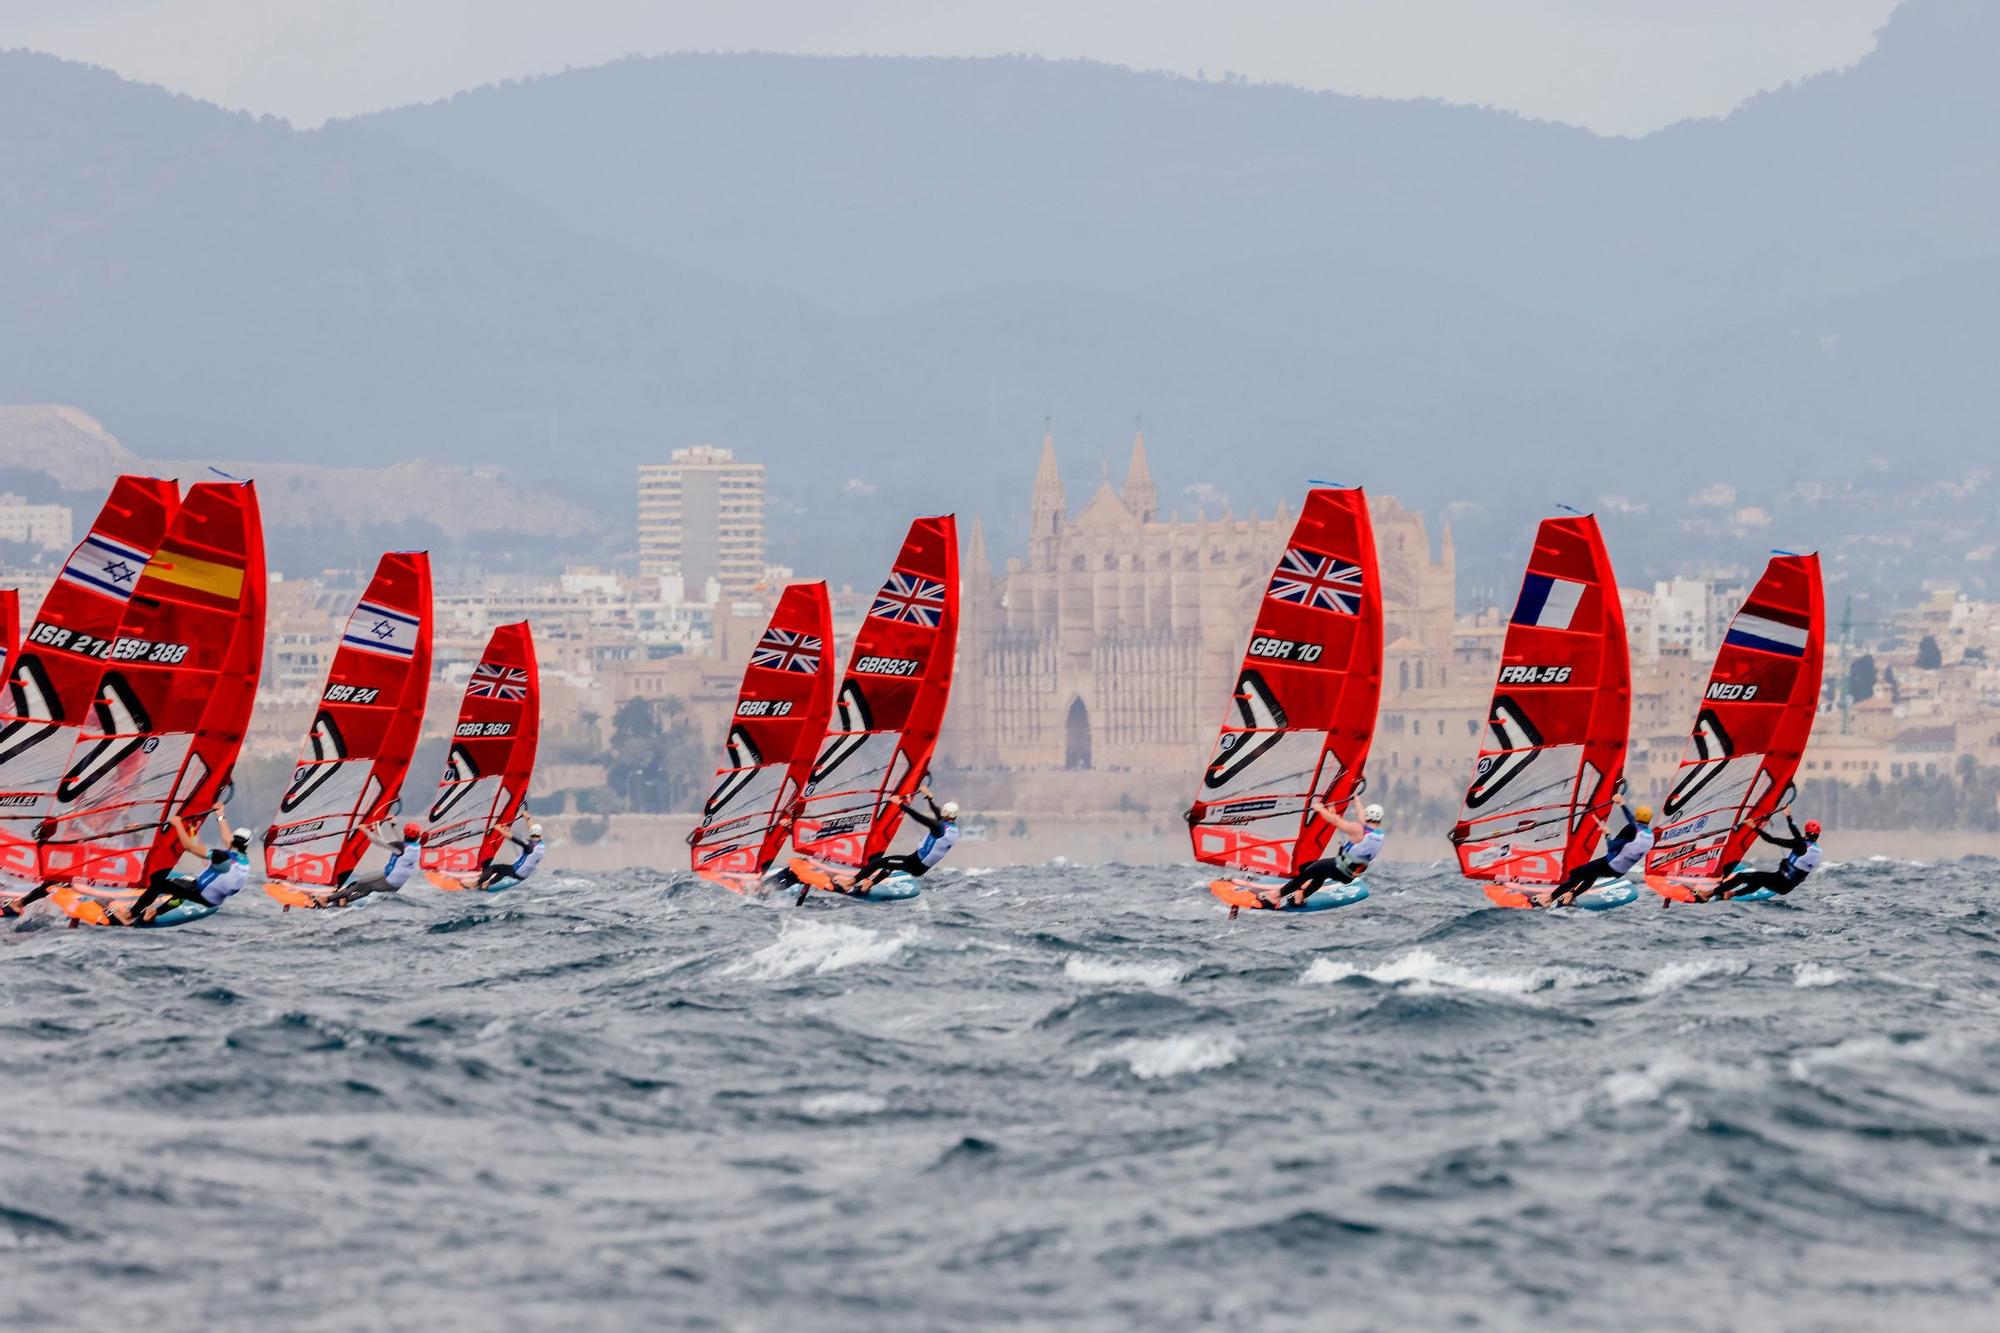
879, 276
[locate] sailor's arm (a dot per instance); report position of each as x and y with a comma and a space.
1349, 828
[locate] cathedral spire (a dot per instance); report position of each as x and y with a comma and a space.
1049, 500
976, 563
1141, 496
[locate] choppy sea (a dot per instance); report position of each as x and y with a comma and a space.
1057, 1097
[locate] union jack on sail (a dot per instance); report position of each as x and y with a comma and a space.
784, 650
1312, 579
497, 682
911, 598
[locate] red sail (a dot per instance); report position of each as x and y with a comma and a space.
781, 714
52, 677
890, 704
492, 756
1755, 718
1555, 751
10, 621
351, 767
173, 699
1303, 714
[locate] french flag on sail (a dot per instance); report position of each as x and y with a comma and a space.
1766, 633
1549, 603
105, 565
378, 629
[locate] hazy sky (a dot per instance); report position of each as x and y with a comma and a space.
1618, 66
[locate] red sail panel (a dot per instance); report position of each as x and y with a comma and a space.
781, 713
1303, 714
1562, 703
1756, 716
492, 756
890, 704
10, 621
52, 676
173, 700
350, 769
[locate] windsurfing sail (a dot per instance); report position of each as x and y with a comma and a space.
890, 704
1751, 731
52, 675
350, 769
1556, 731
10, 621
774, 736
1302, 716
172, 700
492, 756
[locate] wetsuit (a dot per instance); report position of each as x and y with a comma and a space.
1623, 852
220, 880
517, 869
402, 864
941, 835
1801, 859
1343, 867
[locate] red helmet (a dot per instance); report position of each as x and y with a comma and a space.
413, 830
1812, 828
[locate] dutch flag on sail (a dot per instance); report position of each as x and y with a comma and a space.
1546, 602
1766, 633
379, 629
105, 565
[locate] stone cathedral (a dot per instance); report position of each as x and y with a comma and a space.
1114, 644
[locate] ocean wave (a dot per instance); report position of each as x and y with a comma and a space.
819, 948
1808, 975
839, 1105
1169, 1057
1111, 972
1687, 971
1420, 969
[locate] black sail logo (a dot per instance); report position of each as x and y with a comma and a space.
852, 723
1263, 725
125, 729
460, 773
744, 761
327, 752
1518, 742
33, 702
1712, 752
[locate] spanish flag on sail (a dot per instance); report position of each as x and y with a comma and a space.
224, 582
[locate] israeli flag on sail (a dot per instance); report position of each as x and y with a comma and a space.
105, 565
378, 629
1547, 602
1749, 630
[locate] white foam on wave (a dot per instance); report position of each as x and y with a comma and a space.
1807, 976
819, 948
1422, 970
1110, 972
830, 1104
1677, 974
1650, 1082
1168, 1057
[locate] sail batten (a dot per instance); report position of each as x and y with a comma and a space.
1301, 718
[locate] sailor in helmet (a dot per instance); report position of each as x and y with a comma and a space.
1627, 848
404, 853
505, 874
940, 836
227, 871
1362, 844
1801, 859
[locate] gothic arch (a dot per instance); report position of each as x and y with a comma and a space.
1076, 735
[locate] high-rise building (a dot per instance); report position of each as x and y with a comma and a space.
46, 526
701, 516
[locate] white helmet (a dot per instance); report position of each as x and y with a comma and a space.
534, 830
1374, 814
951, 809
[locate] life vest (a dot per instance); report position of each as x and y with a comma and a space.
1623, 857
1356, 857
220, 881
530, 859
1797, 865
402, 864
936, 845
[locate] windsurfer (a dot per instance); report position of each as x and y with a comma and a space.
1802, 854
403, 855
227, 871
940, 836
1363, 843
1627, 848
501, 874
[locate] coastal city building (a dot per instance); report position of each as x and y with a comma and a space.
49, 527
701, 517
